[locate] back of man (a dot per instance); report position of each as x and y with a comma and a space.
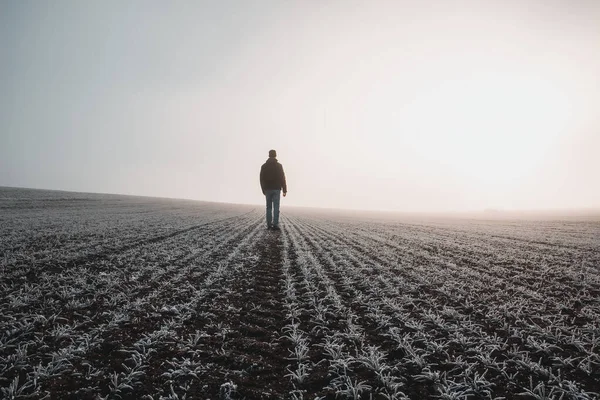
272, 181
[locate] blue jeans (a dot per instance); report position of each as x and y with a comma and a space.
273, 197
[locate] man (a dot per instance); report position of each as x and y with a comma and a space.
272, 180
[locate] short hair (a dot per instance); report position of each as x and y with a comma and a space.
272, 153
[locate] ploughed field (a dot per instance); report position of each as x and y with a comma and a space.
139, 298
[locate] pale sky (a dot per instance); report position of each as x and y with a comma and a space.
394, 105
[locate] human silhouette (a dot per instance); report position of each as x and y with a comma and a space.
272, 181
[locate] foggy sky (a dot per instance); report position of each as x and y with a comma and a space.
395, 105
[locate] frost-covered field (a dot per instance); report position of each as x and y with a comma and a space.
125, 297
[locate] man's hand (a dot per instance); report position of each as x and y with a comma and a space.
284, 193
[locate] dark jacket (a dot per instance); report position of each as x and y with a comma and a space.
272, 176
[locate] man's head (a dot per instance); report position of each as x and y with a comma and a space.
272, 154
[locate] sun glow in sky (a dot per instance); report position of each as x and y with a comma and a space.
492, 128
396, 105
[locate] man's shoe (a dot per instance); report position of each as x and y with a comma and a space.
269, 227
276, 228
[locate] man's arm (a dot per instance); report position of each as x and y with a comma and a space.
262, 179
283, 182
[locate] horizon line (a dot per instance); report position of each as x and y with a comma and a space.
488, 211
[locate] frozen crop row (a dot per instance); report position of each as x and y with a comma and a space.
135, 298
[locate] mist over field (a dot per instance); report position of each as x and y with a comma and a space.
405, 106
